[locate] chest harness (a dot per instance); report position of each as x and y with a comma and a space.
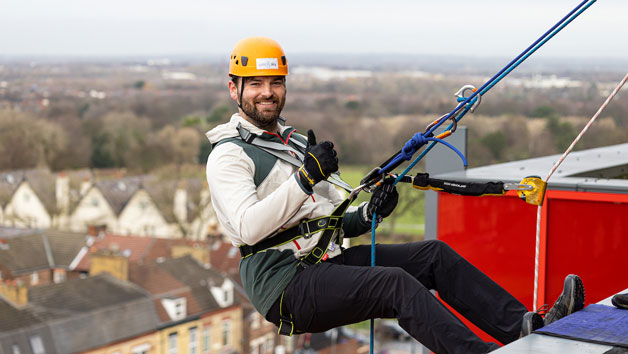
329, 225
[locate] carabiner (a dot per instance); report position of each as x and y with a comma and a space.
461, 96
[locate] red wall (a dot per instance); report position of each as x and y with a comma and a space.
581, 233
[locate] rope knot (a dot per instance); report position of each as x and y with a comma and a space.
413, 145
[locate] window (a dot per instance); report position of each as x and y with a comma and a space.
141, 349
94, 202
206, 339
179, 308
193, 345
58, 276
34, 278
172, 343
226, 332
15, 349
37, 346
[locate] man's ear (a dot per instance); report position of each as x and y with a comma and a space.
233, 90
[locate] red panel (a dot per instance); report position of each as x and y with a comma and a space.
585, 237
581, 233
496, 234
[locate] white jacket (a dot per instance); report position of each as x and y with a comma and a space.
250, 213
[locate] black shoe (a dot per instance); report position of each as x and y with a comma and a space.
531, 322
620, 301
570, 301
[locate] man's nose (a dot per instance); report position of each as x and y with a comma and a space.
267, 90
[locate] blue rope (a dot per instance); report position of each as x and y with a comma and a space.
420, 139
373, 225
520, 58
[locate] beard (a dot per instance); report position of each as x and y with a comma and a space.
265, 117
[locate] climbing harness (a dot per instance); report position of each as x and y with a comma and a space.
551, 172
287, 153
316, 255
329, 226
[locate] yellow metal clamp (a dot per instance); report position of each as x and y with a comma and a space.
536, 194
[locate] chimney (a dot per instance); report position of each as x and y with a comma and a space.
109, 261
62, 193
197, 251
16, 292
180, 203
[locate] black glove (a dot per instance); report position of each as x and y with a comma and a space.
319, 162
384, 200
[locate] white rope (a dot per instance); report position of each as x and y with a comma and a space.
562, 158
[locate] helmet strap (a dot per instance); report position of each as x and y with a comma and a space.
241, 91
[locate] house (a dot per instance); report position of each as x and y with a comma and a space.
33, 257
196, 307
28, 198
102, 202
139, 249
75, 316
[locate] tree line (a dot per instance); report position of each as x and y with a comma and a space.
368, 118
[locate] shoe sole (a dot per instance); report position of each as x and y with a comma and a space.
531, 322
575, 289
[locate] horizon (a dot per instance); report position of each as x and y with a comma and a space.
485, 28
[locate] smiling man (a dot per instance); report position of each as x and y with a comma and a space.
272, 192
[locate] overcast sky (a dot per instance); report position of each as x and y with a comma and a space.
209, 27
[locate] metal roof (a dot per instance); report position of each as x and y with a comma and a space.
587, 170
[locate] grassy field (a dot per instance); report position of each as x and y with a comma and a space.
407, 221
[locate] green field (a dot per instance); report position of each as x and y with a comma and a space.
407, 221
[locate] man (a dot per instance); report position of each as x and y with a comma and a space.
271, 192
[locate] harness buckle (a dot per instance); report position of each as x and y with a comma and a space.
286, 326
333, 222
304, 229
246, 135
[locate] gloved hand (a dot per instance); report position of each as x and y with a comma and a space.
383, 201
319, 162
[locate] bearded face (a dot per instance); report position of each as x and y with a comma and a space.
263, 99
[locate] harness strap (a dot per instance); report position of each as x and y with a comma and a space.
282, 151
305, 229
317, 253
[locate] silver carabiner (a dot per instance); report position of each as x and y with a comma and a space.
461, 92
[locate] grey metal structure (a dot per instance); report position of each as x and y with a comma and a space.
590, 170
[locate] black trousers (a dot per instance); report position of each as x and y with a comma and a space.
347, 290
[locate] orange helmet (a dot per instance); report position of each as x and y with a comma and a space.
258, 56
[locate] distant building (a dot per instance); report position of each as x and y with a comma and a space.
75, 316
86, 200
31, 257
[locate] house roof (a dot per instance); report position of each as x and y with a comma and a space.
38, 249
178, 277
91, 312
162, 192
590, 170
42, 181
119, 191
8, 183
225, 257
84, 295
136, 248
12, 317
161, 284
